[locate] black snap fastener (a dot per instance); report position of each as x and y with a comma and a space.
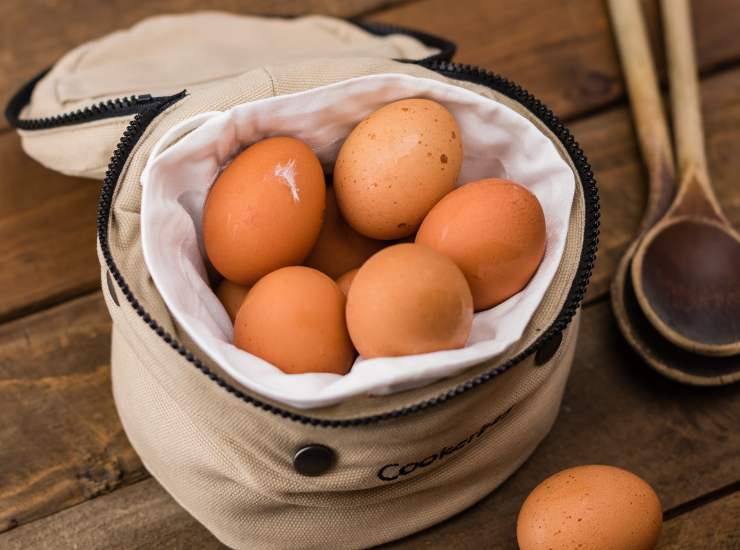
313, 460
548, 349
111, 288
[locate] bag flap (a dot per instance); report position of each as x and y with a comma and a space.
86, 97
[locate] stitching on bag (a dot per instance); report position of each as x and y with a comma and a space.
271, 78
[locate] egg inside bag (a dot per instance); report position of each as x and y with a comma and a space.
497, 142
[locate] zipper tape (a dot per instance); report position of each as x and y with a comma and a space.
120, 106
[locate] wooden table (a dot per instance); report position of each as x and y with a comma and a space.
68, 476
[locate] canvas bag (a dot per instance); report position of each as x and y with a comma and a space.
380, 467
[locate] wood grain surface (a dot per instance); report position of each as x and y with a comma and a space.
145, 516
47, 233
60, 438
140, 516
714, 525
615, 411
610, 144
561, 50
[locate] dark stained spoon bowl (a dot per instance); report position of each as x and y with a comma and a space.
689, 273
686, 270
652, 132
673, 362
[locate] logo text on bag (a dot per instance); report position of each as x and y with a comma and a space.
391, 472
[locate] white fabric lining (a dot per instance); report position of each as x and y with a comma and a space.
497, 142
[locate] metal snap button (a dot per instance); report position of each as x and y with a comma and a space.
546, 352
111, 288
313, 460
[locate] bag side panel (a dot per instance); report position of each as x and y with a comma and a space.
230, 464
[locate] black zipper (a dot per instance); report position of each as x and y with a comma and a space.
461, 72
147, 108
120, 106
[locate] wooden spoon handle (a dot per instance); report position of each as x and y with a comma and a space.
686, 108
647, 107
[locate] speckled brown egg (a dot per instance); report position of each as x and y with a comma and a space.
295, 319
408, 299
395, 165
344, 282
339, 247
590, 508
231, 296
265, 210
494, 230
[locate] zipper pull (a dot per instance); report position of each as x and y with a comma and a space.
145, 98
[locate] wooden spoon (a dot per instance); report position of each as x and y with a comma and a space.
669, 360
655, 145
653, 348
686, 269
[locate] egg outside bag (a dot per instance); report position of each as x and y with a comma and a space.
384, 467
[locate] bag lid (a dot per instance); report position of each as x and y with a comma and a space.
79, 108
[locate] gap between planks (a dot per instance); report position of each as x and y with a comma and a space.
622, 101
49, 302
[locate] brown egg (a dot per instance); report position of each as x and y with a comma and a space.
265, 210
231, 296
591, 508
408, 299
494, 230
294, 318
345, 281
339, 248
395, 165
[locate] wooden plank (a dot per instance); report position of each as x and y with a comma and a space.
60, 438
610, 144
141, 516
615, 411
562, 51
34, 34
47, 233
714, 525
145, 516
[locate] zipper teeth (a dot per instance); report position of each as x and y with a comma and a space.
461, 72
119, 106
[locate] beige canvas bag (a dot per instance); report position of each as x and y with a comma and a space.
257, 473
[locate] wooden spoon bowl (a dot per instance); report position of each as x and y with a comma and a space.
681, 260
687, 274
686, 270
671, 361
